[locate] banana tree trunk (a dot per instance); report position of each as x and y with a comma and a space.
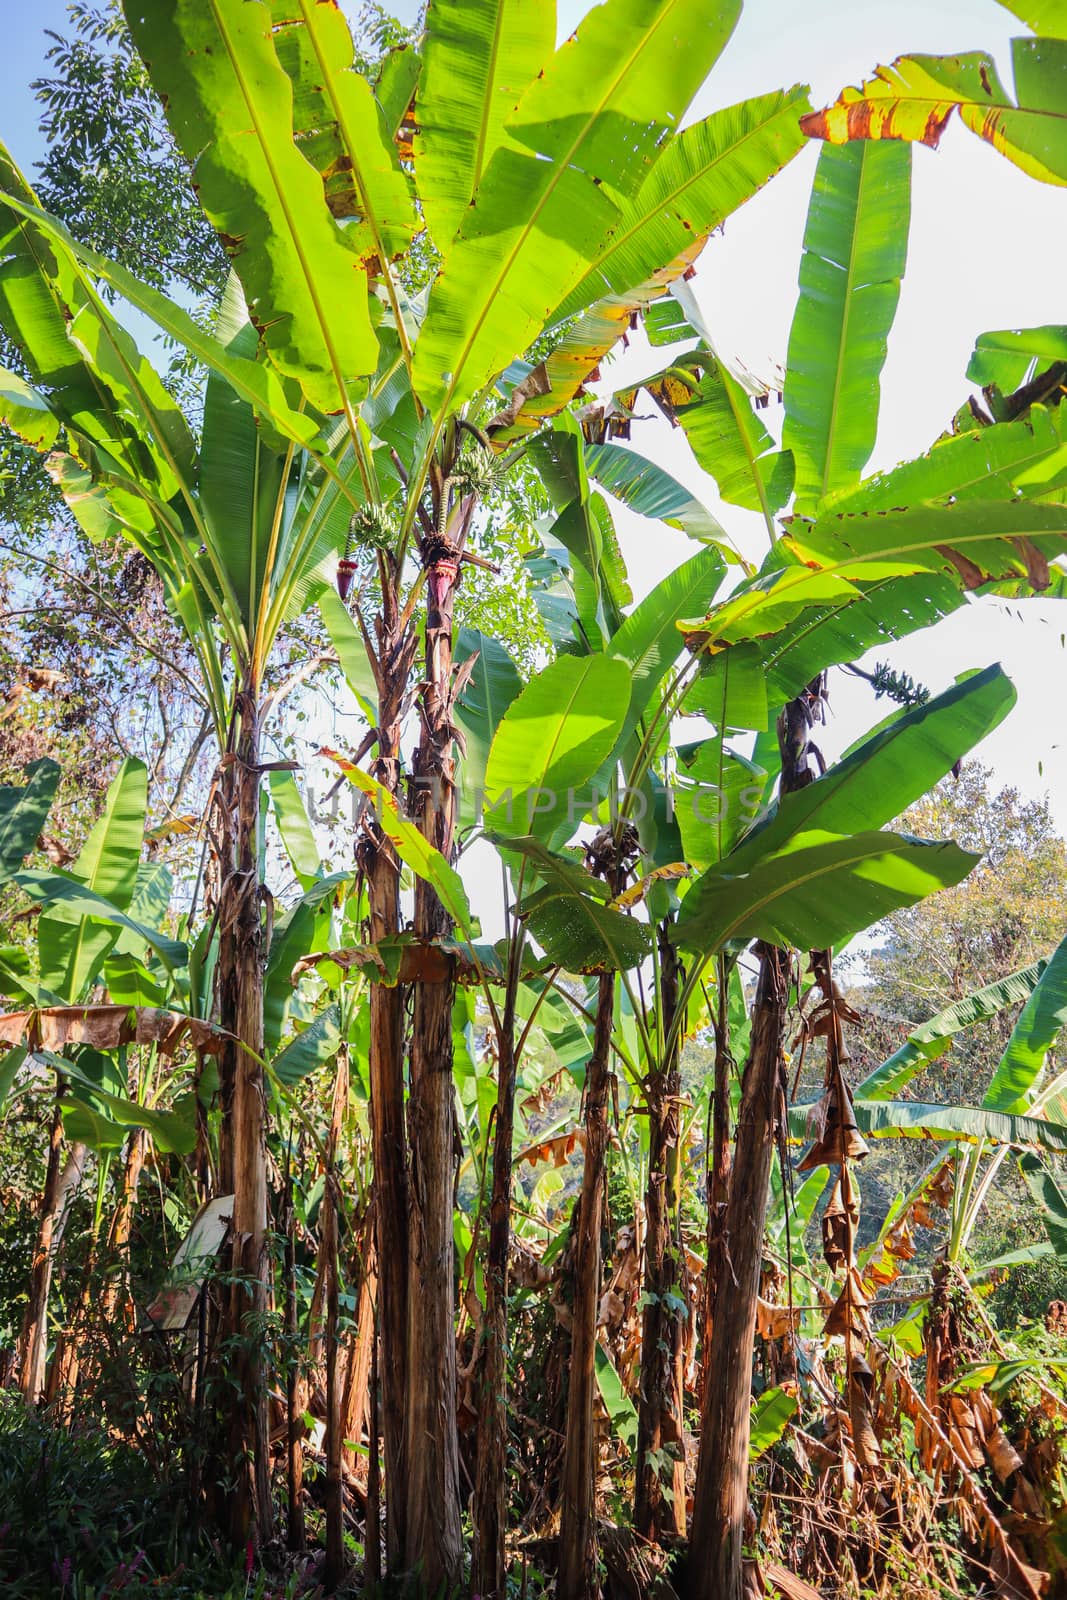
118, 1238
62, 1178
488, 1576
434, 1545
329, 1246
718, 1171
721, 1497
243, 1138
381, 870
578, 1533
659, 1412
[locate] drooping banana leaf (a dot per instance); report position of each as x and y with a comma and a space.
915, 96
229, 104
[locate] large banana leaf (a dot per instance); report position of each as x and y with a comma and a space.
551, 740
886, 773
541, 218
479, 56
343, 131
256, 381
1011, 356
621, 83
230, 106
932, 1038
1047, 17
53, 889
910, 1119
1042, 1020
26, 412
855, 245
312, 1047
72, 947
703, 176
645, 487
1049, 1198
303, 931
818, 892
295, 828
242, 480
717, 792
95, 379
23, 813
905, 567
988, 464
585, 529
915, 97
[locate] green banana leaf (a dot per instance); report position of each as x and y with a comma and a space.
24, 812
818, 892
888, 772
600, 104
771, 1415
932, 1038
551, 740
855, 245
704, 175
648, 638
1042, 1020
77, 899
229, 103
494, 683
71, 947
478, 58
1011, 356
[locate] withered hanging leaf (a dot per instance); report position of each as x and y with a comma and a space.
833, 1123
107, 1027
860, 1411
963, 1433
849, 1312
558, 1150
839, 1225
536, 382
775, 1322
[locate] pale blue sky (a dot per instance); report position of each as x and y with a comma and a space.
986, 251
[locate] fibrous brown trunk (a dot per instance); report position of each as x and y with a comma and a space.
243, 1137
334, 1567
122, 1223
381, 869
294, 1401
718, 1172
578, 1533
659, 1412
721, 1497
62, 1178
434, 1544
490, 1490
358, 1368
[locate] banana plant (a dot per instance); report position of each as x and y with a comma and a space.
306, 168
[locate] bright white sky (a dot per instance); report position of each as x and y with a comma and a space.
986, 251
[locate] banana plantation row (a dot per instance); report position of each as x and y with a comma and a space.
451, 1241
